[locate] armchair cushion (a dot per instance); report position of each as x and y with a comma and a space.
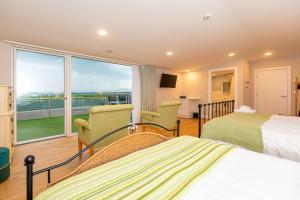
149, 115
109, 108
103, 119
167, 115
170, 103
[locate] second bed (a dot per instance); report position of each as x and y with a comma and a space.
275, 135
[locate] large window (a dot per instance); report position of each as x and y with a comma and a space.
40, 95
43, 87
98, 83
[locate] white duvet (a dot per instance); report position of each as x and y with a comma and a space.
245, 175
281, 137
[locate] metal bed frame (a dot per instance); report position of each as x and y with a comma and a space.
211, 110
30, 159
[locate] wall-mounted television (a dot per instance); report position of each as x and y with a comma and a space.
168, 81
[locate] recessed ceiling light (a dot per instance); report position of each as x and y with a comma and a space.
187, 70
231, 54
206, 16
102, 32
169, 53
213, 74
268, 53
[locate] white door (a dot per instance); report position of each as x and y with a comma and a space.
272, 90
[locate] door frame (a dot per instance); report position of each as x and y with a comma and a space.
289, 85
67, 100
210, 72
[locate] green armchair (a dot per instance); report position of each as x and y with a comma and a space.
103, 119
166, 116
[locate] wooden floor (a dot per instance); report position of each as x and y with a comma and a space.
51, 152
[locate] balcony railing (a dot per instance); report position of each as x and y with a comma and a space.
45, 106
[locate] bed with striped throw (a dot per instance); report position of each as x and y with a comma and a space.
163, 171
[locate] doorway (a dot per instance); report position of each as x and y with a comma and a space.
272, 90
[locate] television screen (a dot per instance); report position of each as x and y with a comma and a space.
168, 81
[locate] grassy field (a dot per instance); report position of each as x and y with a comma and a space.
45, 127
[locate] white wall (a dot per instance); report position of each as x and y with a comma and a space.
6, 74
293, 61
246, 83
196, 83
168, 94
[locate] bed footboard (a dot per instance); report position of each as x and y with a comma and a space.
118, 149
211, 110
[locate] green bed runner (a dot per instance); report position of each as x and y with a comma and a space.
243, 129
163, 171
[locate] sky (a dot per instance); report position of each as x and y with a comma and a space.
42, 73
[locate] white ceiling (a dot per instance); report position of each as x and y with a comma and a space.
141, 31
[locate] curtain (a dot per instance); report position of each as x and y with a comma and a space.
136, 94
148, 87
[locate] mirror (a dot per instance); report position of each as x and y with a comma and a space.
222, 85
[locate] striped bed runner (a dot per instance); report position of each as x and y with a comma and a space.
163, 171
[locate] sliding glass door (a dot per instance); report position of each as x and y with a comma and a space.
40, 92
53, 90
98, 83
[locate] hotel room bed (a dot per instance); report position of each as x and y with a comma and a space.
182, 168
275, 135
